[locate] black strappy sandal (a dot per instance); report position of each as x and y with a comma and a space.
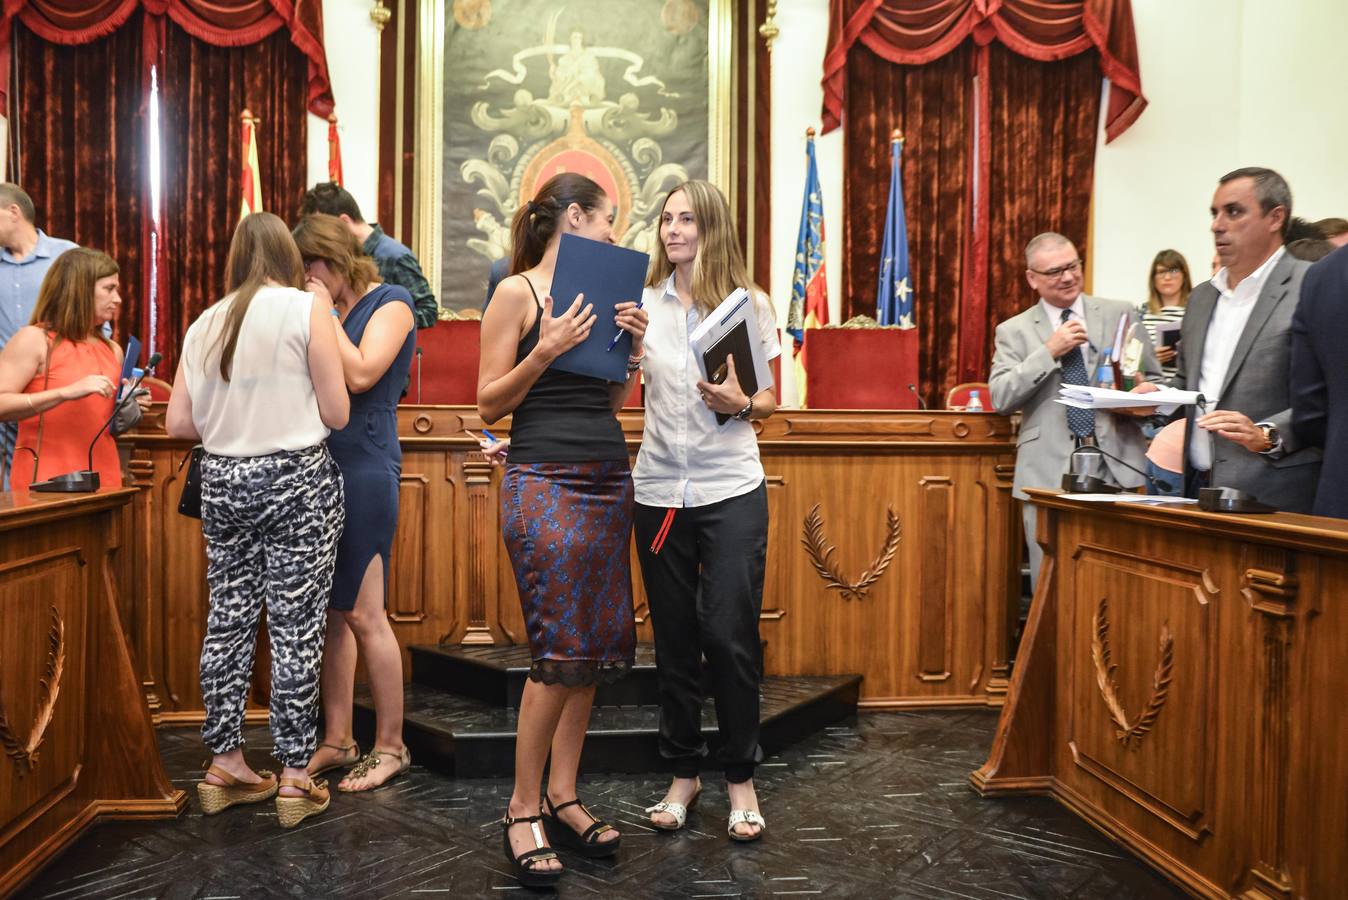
525, 862
587, 843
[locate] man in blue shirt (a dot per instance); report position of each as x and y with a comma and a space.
25, 256
397, 263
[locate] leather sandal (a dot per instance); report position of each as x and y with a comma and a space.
524, 864
294, 810
585, 843
370, 762
745, 817
678, 810
216, 798
350, 756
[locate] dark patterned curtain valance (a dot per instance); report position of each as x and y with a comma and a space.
916, 32
221, 23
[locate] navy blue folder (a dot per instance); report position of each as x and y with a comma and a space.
607, 275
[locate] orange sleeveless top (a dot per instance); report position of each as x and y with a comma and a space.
68, 427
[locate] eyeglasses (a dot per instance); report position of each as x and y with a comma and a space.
1059, 271
1167, 273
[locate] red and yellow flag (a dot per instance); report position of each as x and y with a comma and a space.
334, 151
250, 179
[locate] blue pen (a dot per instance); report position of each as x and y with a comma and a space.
489, 436
613, 343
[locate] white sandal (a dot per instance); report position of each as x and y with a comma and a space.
745, 817
678, 810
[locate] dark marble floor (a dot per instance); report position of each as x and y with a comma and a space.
877, 807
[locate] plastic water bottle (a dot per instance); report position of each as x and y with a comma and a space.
975, 402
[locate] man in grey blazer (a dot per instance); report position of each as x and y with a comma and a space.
1236, 347
1057, 341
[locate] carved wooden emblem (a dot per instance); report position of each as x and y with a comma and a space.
24, 754
1109, 689
821, 555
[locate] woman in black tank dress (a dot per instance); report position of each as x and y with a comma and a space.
566, 510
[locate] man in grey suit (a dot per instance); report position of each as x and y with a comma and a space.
1236, 347
1057, 341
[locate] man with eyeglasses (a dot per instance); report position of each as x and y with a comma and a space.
1057, 341
1236, 346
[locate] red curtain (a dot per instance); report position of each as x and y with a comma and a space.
915, 32
203, 149
935, 105
82, 152
1028, 108
224, 23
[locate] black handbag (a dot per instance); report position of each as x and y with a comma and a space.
189, 501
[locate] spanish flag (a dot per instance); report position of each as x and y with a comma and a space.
809, 292
250, 179
334, 151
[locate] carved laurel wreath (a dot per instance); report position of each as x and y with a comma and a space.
24, 754
1109, 688
821, 556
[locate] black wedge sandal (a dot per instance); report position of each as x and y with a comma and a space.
586, 844
524, 863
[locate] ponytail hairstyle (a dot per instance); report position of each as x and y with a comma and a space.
538, 220
262, 251
719, 266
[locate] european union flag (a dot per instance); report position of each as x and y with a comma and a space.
809, 291
894, 296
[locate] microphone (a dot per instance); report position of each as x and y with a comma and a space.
87, 481
1085, 476
921, 404
418, 373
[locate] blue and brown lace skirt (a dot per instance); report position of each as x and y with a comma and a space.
567, 528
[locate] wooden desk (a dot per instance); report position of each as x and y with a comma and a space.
1181, 686
78, 741
920, 594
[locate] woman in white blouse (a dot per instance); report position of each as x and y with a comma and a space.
260, 385
702, 509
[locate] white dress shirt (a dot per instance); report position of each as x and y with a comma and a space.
1229, 317
1054, 313
686, 459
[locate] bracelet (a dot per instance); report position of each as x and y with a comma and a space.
633, 366
637, 359
335, 313
30, 403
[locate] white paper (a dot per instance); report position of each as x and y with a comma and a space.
1142, 499
1166, 400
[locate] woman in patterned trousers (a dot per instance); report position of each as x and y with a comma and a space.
259, 385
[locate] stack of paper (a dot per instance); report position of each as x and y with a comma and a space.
1166, 400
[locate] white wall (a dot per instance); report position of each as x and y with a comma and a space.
1231, 83
353, 65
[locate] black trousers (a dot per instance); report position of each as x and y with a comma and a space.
705, 588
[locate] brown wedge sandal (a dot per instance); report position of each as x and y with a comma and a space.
216, 798
294, 810
350, 756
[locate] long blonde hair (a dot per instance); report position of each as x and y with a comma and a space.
262, 251
718, 268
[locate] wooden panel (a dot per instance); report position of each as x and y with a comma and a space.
74, 725
910, 503
1180, 685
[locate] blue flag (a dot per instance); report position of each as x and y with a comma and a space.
894, 296
809, 289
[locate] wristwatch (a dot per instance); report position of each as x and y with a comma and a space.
743, 415
1272, 436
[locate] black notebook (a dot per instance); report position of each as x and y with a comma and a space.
734, 342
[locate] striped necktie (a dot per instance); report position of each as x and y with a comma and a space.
1080, 421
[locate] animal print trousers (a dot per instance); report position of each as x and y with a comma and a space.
271, 525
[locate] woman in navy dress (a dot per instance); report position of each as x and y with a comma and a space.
376, 335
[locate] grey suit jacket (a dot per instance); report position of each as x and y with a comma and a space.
1258, 384
1025, 378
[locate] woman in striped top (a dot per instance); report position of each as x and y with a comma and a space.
1168, 290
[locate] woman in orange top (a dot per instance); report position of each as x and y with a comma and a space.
58, 374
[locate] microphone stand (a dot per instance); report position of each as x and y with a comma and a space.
86, 482
921, 404
1091, 484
